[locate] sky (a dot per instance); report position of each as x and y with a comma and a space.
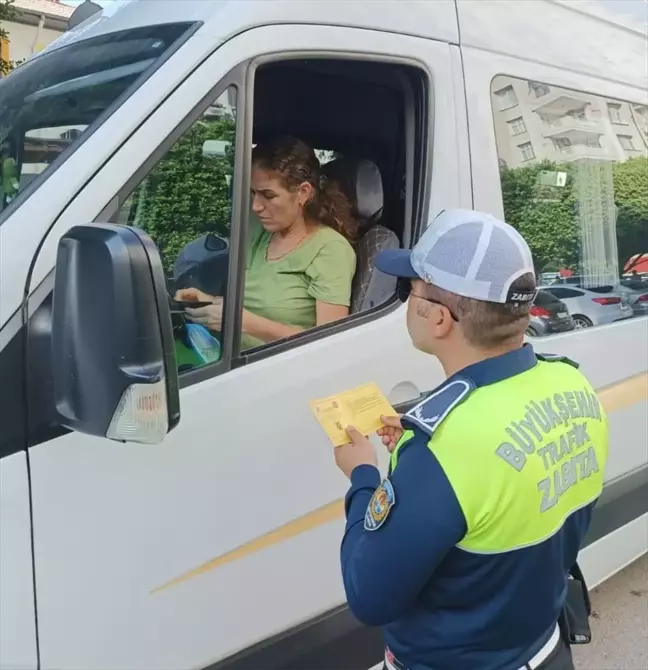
633, 9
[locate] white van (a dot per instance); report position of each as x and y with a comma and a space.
218, 546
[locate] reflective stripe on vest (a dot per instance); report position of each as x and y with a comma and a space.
522, 455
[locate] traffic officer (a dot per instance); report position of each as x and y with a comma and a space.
462, 553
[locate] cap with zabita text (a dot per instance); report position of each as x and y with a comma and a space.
469, 253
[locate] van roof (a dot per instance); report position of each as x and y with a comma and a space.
595, 37
584, 37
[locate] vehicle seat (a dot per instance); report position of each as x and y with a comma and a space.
361, 182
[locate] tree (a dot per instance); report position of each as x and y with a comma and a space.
631, 197
547, 215
7, 12
544, 214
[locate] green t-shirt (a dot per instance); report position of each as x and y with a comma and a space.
286, 290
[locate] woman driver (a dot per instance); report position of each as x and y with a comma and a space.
300, 260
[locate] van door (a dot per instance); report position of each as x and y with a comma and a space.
18, 648
228, 533
17, 620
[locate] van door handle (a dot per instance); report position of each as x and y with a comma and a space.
404, 407
404, 395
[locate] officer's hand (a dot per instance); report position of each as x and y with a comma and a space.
358, 452
391, 432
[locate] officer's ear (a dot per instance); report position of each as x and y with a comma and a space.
441, 314
441, 321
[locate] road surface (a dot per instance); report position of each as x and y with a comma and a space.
619, 623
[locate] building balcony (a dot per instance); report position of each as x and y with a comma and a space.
578, 151
566, 125
559, 102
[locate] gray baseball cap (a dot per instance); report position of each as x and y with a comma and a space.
469, 253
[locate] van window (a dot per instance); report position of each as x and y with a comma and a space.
325, 156
41, 147
576, 189
353, 114
562, 293
360, 148
47, 103
185, 204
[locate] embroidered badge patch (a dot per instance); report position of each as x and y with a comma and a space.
380, 505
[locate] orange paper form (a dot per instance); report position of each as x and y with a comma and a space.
361, 407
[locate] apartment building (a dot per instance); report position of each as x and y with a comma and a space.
535, 121
36, 24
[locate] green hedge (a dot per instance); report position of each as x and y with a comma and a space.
548, 218
187, 194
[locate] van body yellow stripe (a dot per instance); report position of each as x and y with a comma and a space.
613, 397
318, 517
625, 393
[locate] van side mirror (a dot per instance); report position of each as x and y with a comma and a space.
113, 359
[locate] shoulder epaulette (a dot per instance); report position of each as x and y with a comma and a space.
429, 413
555, 358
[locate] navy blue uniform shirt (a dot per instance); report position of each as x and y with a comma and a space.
442, 608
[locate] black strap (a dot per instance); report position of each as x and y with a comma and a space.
577, 573
574, 617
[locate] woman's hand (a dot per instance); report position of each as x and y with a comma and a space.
391, 432
194, 295
210, 316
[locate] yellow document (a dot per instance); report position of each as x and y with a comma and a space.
361, 407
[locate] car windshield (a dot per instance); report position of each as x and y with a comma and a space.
47, 104
545, 299
635, 284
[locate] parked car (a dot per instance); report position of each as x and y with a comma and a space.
549, 315
548, 277
636, 290
592, 307
572, 279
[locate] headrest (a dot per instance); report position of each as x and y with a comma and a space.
360, 181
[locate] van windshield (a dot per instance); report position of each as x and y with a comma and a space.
47, 104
